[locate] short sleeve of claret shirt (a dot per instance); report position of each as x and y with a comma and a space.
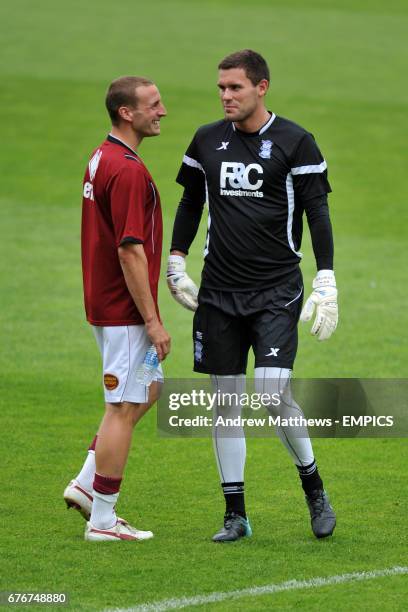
191, 174
309, 170
128, 196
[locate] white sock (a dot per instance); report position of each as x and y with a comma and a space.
295, 439
103, 514
228, 441
87, 474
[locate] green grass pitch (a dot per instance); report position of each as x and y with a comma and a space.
339, 69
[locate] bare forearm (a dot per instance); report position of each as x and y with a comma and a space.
135, 270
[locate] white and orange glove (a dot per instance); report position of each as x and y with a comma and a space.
324, 300
183, 289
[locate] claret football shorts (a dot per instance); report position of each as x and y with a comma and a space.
123, 349
227, 324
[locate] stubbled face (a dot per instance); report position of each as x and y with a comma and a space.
145, 118
240, 98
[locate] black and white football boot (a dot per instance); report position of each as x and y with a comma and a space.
235, 527
323, 518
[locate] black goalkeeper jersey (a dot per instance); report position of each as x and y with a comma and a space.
255, 185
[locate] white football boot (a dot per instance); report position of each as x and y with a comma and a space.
121, 531
79, 498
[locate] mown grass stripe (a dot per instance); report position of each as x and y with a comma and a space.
290, 585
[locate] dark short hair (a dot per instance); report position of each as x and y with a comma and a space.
254, 65
122, 92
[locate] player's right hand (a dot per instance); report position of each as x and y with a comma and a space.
183, 289
159, 337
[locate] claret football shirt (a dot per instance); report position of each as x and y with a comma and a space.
120, 204
255, 185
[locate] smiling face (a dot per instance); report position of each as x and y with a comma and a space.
240, 98
146, 116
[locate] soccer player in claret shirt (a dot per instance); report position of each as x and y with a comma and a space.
121, 251
259, 173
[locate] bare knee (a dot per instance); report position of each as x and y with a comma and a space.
154, 394
124, 411
129, 412
155, 390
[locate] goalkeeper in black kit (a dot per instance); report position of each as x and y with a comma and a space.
259, 173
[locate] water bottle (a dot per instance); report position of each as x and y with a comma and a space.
147, 371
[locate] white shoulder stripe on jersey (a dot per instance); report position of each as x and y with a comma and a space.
317, 169
193, 163
291, 207
189, 161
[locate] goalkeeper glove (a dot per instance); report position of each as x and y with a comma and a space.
182, 288
324, 299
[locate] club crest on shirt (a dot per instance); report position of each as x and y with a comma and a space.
266, 148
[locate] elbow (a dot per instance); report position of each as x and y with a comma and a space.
123, 254
129, 252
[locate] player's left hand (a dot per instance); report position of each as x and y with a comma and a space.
324, 300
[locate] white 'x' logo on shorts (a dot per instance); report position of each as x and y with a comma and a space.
273, 353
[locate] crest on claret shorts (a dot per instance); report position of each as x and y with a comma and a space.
266, 148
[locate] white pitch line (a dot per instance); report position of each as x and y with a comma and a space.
290, 585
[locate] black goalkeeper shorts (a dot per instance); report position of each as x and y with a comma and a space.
227, 324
